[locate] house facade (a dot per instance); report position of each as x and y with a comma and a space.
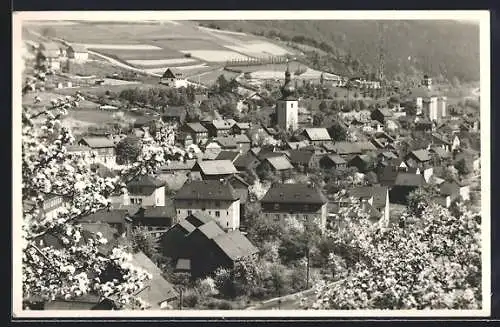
173, 78
146, 191
102, 147
292, 203
78, 53
215, 198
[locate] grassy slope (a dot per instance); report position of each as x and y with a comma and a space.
437, 47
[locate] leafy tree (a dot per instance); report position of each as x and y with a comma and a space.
408, 268
461, 167
318, 118
323, 107
337, 132
128, 149
73, 266
410, 108
141, 239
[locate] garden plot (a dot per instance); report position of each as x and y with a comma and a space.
156, 54
216, 55
259, 49
184, 68
106, 46
212, 30
159, 62
189, 43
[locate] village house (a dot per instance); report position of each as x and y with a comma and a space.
363, 162
317, 136
173, 78
278, 164
198, 246
246, 162
450, 192
52, 205
419, 158
240, 128
155, 219
102, 147
49, 55
157, 292
376, 201
346, 149
382, 115
239, 142
197, 131
214, 169
400, 183
303, 160
219, 128
228, 155
215, 198
212, 150
290, 203
332, 161
145, 190
78, 53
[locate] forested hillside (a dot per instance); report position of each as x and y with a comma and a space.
440, 48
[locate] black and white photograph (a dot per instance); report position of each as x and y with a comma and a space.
280, 163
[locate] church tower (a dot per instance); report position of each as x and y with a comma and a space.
287, 111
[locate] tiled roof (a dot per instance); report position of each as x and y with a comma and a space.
245, 160
346, 148
112, 216
217, 167
206, 190
160, 212
300, 156
226, 142
409, 179
210, 229
279, 163
422, 155
222, 124
146, 181
98, 142
336, 159
317, 134
227, 155
379, 194
235, 245
199, 218
442, 153
366, 146
157, 290
294, 193
178, 165
196, 127
185, 225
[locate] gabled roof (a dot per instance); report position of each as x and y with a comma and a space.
317, 134
245, 160
173, 165
235, 245
422, 155
343, 148
206, 190
409, 179
185, 225
294, 193
210, 229
98, 142
226, 142
77, 148
300, 156
389, 155
196, 127
146, 181
198, 218
386, 112
451, 189
106, 216
440, 139
442, 153
157, 290
156, 212
279, 163
217, 167
379, 194
243, 126
78, 48
222, 124
227, 155
366, 146
336, 159
172, 73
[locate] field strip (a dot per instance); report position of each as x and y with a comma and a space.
121, 46
121, 64
216, 55
161, 70
221, 31
153, 62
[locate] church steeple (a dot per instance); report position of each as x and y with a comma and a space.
287, 90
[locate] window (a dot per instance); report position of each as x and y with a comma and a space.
189, 212
291, 105
227, 212
227, 224
217, 213
179, 212
276, 217
305, 217
157, 200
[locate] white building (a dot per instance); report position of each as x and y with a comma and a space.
145, 191
78, 53
173, 78
216, 198
287, 108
